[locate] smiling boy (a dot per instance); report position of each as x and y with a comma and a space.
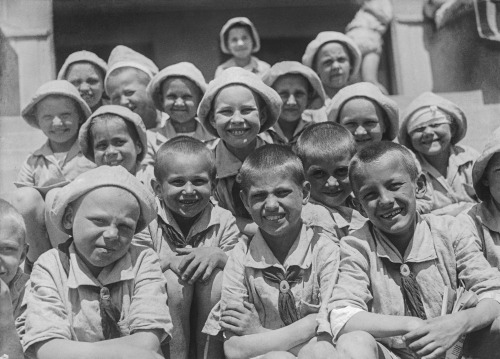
394, 271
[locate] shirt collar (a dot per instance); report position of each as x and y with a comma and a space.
206, 219
228, 164
260, 256
488, 215
303, 123
420, 249
46, 151
341, 215
79, 274
252, 66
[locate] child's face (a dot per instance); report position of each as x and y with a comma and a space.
432, 139
239, 42
187, 186
388, 195
236, 116
113, 145
329, 179
364, 120
89, 82
491, 177
293, 90
12, 249
333, 65
275, 202
103, 222
180, 99
126, 89
58, 119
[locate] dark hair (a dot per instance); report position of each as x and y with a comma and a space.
243, 26
132, 131
346, 48
277, 158
375, 151
7, 211
324, 139
182, 145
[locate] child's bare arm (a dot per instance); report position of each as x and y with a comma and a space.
380, 325
199, 263
283, 339
437, 335
246, 226
9, 339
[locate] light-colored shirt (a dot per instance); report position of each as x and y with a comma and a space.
256, 66
217, 224
228, 166
487, 227
456, 189
275, 133
66, 306
442, 252
43, 171
313, 251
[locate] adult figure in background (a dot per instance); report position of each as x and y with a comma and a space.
86, 71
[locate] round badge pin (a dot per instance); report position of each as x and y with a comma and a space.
404, 270
284, 286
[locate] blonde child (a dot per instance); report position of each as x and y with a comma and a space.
193, 238
114, 136
85, 70
98, 295
13, 251
431, 127
126, 82
239, 38
274, 283
367, 113
236, 108
394, 271
300, 89
177, 91
58, 111
325, 150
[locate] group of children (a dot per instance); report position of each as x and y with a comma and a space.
260, 215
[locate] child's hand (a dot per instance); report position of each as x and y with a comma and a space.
5, 300
172, 262
200, 263
241, 319
435, 336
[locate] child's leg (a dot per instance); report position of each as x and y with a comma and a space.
206, 296
30, 203
278, 355
318, 350
358, 345
56, 237
483, 344
180, 296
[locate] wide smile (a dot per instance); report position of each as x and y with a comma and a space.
189, 202
390, 215
274, 217
362, 139
114, 162
333, 193
238, 132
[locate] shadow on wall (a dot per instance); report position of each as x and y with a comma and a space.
9, 79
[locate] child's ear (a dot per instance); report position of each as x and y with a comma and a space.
156, 186
25, 252
306, 192
138, 147
244, 199
421, 186
263, 116
211, 118
68, 216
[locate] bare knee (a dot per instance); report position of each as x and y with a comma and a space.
278, 355
317, 350
179, 295
357, 344
28, 201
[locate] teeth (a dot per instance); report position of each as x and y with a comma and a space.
188, 201
237, 132
392, 213
274, 218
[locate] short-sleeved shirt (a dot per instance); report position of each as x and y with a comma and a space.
228, 166
456, 187
66, 306
256, 66
485, 222
315, 253
17, 289
43, 171
442, 252
340, 221
217, 225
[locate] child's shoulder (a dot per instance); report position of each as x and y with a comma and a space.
465, 153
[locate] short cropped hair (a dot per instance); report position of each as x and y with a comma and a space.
8, 212
375, 151
322, 140
182, 145
277, 158
132, 131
